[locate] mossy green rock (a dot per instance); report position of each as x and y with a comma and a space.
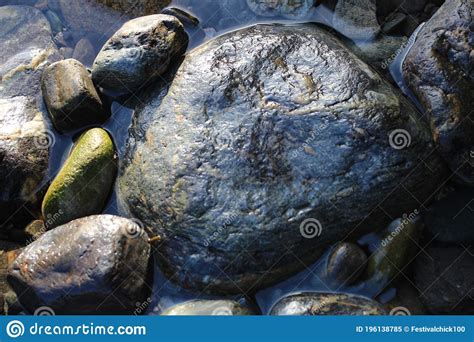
397, 245
83, 184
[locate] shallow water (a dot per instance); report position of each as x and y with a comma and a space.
216, 17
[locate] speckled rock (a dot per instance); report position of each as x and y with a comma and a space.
208, 308
26, 48
346, 263
445, 278
285, 8
94, 265
83, 185
71, 97
356, 19
141, 50
136, 9
318, 304
439, 69
289, 126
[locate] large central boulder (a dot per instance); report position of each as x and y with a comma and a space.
271, 143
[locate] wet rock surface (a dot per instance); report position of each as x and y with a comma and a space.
26, 49
318, 304
284, 8
94, 265
445, 278
71, 97
356, 19
208, 308
346, 262
84, 183
136, 8
140, 51
439, 70
288, 126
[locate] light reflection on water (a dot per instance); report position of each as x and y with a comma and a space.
216, 17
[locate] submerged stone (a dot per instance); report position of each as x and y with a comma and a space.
208, 308
264, 134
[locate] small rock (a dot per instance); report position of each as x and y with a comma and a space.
83, 184
397, 246
84, 52
183, 16
439, 70
8, 254
94, 265
66, 52
445, 278
393, 22
451, 219
140, 50
208, 308
345, 263
356, 19
54, 21
318, 304
285, 8
34, 230
71, 98
136, 8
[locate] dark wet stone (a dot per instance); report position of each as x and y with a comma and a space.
356, 19
8, 301
26, 49
84, 52
346, 262
94, 265
208, 308
136, 8
405, 301
393, 22
445, 278
140, 51
288, 126
451, 218
439, 70
398, 244
318, 304
71, 98
286, 8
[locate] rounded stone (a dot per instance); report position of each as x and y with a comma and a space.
345, 264
208, 308
262, 130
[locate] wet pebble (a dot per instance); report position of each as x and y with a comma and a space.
208, 308
345, 264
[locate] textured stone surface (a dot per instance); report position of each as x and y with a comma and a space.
445, 278
26, 49
139, 51
318, 304
356, 19
94, 265
439, 69
136, 8
261, 129
70, 96
208, 308
345, 263
83, 185
285, 8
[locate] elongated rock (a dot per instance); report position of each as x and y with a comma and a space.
94, 265
141, 50
71, 98
317, 304
83, 184
271, 144
439, 69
